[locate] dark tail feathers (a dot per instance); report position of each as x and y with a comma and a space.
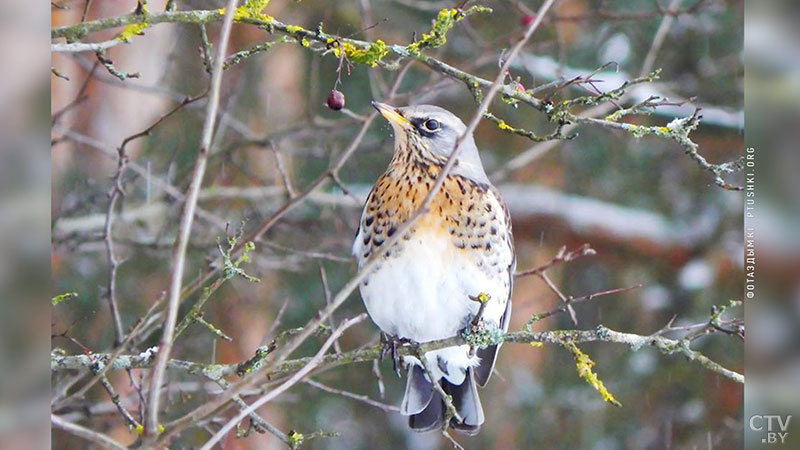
426, 409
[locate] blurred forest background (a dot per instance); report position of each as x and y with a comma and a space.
652, 214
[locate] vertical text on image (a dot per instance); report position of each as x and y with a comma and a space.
749, 219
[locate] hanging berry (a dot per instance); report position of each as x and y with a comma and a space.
335, 100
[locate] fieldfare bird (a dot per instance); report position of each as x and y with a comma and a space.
423, 287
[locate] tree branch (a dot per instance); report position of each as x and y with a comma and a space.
273, 360
677, 130
296, 378
85, 433
184, 230
666, 346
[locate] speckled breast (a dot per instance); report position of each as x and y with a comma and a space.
470, 213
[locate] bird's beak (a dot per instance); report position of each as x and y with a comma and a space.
391, 114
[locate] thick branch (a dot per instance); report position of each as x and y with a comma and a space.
600, 334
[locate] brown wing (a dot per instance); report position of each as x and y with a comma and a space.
379, 219
488, 355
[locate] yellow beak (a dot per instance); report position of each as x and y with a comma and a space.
391, 114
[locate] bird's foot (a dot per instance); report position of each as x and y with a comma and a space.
389, 344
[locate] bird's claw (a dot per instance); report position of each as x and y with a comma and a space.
389, 344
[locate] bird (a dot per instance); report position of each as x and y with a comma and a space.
423, 288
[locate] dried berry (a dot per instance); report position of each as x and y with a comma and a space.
527, 20
335, 100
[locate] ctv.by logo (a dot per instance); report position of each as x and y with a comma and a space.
775, 434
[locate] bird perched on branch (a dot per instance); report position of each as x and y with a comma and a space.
460, 249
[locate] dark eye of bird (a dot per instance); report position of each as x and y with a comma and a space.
432, 124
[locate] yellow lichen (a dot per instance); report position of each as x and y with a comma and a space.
445, 20
62, 297
504, 126
294, 28
295, 437
134, 29
370, 56
250, 10
583, 365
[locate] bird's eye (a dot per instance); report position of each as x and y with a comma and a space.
432, 125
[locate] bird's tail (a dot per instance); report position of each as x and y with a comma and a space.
426, 409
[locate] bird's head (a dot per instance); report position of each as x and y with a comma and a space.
429, 133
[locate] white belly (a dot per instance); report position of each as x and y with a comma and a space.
422, 293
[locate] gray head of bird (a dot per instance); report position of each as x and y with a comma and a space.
429, 134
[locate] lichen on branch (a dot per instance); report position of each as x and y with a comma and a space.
369, 56
59, 361
583, 365
252, 9
136, 29
62, 298
445, 20
230, 269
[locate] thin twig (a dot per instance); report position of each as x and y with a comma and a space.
297, 377
114, 196
115, 399
80, 98
658, 39
326, 290
564, 299
573, 300
347, 394
562, 256
86, 5
85, 433
184, 230
258, 422
109, 361
168, 188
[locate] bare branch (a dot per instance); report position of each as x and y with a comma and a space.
658, 39
562, 256
347, 394
85, 433
185, 228
297, 377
